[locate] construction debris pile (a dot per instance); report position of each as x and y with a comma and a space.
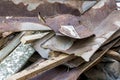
66, 40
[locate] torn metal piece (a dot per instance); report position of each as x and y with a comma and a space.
42, 51
21, 24
87, 47
59, 43
68, 25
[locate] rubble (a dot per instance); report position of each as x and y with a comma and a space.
80, 36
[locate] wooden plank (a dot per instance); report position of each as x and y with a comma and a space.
42, 67
30, 38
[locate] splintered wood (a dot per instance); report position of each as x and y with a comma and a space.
30, 38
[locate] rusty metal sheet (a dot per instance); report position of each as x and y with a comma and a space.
32, 7
15, 24
86, 48
68, 25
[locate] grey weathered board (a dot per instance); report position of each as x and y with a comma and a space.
14, 62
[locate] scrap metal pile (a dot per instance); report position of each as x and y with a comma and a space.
82, 36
